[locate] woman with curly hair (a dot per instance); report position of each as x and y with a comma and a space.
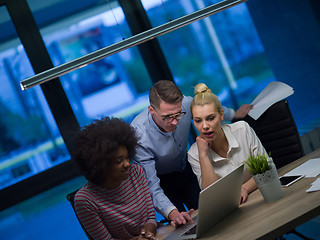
115, 203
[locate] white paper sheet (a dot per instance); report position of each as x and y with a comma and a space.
315, 186
316, 182
310, 168
274, 92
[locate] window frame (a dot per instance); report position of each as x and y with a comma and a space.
66, 121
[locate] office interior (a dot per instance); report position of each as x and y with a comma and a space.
236, 52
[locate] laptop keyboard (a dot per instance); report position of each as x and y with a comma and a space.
191, 231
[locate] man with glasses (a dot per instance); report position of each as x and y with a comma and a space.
163, 133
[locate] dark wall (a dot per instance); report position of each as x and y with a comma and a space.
290, 33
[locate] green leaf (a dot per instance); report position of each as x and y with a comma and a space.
257, 164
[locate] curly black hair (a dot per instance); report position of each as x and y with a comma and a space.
96, 143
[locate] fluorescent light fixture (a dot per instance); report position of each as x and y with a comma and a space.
137, 39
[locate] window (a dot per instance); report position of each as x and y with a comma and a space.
30, 139
223, 51
115, 86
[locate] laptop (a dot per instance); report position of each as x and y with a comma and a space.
215, 202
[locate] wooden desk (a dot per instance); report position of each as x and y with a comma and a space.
256, 219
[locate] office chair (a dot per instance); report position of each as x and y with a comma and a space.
279, 135
70, 198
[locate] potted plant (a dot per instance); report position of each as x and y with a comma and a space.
265, 174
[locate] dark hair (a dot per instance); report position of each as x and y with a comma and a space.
96, 144
166, 91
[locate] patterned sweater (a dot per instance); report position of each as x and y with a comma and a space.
118, 213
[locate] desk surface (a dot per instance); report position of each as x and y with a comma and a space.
256, 219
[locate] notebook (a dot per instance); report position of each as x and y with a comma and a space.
215, 202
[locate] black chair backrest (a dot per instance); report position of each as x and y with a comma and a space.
70, 198
278, 133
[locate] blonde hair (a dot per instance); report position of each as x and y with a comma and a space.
203, 96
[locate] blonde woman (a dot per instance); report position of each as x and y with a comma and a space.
220, 148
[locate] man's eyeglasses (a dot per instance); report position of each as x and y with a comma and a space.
171, 117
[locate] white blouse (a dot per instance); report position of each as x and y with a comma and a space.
242, 141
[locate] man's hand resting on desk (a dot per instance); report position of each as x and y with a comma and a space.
180, 218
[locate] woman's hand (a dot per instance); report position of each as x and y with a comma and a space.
148, 231
139, 238
246, 189
203, 146
244, 195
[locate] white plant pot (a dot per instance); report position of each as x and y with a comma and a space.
269, 185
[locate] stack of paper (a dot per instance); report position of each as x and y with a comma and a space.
274, 92
310, 168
